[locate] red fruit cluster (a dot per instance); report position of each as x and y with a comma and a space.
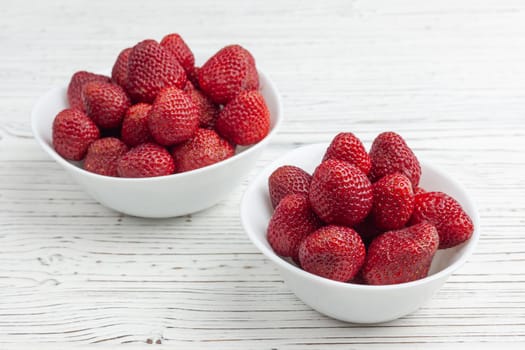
322, 222
159, 114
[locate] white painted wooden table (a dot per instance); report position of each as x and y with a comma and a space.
448, 75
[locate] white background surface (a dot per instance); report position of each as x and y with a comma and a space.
448, 75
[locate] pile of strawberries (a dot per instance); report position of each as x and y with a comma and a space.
159, 114
361, 217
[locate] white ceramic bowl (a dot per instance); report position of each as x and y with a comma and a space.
345, 301
164, 196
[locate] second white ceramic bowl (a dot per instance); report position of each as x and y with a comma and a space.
164, 196
346, 301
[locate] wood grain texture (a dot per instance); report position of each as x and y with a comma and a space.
448, 75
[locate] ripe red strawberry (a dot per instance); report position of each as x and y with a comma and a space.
182, 53
227, 73
334, 252
146, 160
390, 154
105, 103
119, 73
205, 148
347, 147
288, 179
173, 118
340, 193
135, 125
401, 256
103, 154
419, 190
245, 120
208, 111
74, 89
73, 132
150, 69
393, 201
291, 222
453, 224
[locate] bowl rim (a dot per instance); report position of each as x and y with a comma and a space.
470, 245
276, 118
